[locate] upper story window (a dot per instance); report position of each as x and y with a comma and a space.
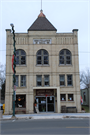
62, 80
65, 57
20, 57
41, 41
23, 80
42, 57
69, 80
17, 81
42, 80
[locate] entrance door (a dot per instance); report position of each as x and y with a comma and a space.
50, 104
45, 104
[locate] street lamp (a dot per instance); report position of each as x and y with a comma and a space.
13, 67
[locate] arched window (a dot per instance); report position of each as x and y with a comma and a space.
20, 57
42, 57
65, 57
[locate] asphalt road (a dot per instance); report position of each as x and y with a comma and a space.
48, 127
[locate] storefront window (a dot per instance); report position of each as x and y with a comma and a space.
63, 97
70, 97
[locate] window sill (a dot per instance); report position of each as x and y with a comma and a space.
22, 87
68, 101
21, 65
62, 65
66, 86
42, 65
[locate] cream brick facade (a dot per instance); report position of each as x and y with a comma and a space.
59, 41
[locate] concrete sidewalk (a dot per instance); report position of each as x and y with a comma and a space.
47, 116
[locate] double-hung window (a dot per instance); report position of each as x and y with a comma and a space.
62, 80
69, 80
17, 81
42, 80
23, 80
39, 80
46, 80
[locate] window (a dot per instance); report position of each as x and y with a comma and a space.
62, 80
84, 95
23, 80
17, 81
65, 57
63, 97
46, 80
69, 80
20, 57
42, 57
39, 80
70, 97
42, 80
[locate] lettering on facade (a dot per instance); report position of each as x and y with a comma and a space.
42, 41
44, 92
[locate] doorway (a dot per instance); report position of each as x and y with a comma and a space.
45, 104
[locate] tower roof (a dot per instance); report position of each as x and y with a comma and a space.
42, 24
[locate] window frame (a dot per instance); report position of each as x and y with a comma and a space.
42, 55
65, 55
71, 79
21, 80
39, 81
64, 79
61, 97
17, 81
19, 55
46, 81
71, 97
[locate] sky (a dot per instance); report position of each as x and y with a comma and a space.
65, 15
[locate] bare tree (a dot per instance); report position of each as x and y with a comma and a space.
85, 79
2, 74
2, 80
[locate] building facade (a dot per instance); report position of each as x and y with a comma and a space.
47, 69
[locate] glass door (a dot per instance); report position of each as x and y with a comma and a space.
50, 104
45, 104
41, 104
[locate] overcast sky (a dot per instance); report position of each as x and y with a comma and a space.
63, 14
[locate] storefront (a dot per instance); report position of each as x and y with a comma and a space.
45, 100
20, 104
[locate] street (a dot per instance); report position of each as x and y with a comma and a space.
51, 126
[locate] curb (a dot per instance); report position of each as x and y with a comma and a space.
44, 117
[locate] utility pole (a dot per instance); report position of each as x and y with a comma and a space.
13, 68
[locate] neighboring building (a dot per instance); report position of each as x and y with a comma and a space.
47, 69
85, 94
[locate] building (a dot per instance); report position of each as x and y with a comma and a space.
85, 94
47, 69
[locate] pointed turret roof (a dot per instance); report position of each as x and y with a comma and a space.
42, 24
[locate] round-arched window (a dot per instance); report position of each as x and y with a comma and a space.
65, 57
42, 57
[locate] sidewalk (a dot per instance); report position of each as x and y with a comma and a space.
47, 116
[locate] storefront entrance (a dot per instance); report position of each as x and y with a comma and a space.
45, 100
45, 104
